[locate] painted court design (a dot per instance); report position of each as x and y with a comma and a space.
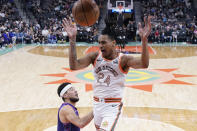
161, 98
139, 79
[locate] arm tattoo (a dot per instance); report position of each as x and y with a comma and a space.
72, 52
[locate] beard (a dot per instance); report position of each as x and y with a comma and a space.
74, 100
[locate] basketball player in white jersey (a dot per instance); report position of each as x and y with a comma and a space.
110, 68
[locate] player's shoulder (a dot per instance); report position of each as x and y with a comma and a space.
93, 55
125, 58
124, 61
66, 109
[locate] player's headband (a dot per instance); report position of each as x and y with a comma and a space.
64, 90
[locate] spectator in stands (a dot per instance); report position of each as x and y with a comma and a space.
1, 41
27, 38
47, 22
6, 39
194, 39
45, 32
52, 38
169, 14
157, 36
131, 31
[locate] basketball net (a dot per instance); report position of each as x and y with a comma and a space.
120, 9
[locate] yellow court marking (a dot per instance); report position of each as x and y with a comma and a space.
89, 75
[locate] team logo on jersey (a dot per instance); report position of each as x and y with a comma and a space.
99, 59
105, 124
115, 62
105, 67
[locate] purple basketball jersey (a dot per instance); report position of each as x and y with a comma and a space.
67, 126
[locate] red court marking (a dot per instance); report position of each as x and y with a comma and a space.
61, 81
167, 70
56, 75
68, 69
127, 48
88, 87
142, 87
181, 75
177, 82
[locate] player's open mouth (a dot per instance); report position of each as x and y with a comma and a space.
102, 51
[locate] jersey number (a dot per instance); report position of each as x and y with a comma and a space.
102, 79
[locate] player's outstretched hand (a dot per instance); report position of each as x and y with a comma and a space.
145, 32
70, 27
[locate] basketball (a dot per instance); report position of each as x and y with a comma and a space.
85, 12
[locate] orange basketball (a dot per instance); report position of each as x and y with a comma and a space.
85, 12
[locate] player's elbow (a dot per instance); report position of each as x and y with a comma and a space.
72, 67
81, 125
145, 65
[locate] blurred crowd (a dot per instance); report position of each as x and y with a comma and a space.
173, 22
46, 26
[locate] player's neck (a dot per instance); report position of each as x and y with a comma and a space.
72, 103
112, 55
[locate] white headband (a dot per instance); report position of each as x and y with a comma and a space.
65, 89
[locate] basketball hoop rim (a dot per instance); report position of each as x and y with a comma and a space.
120, 7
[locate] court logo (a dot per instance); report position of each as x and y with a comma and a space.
141, 79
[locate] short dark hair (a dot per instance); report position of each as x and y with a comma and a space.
60, 88
109, 30
114, 33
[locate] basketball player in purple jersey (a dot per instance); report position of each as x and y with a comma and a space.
68, 117
110, 69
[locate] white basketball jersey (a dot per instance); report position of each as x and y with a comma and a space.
109, 78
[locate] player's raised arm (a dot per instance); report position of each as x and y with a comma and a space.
142, 62
76, 64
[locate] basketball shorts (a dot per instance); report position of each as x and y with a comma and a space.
106, 115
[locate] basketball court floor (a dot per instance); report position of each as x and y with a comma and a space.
161, 98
